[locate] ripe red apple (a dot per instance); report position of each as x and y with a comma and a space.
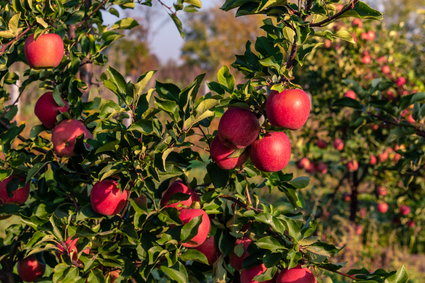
65, 134
69, 247
46, 109
352, 166
410, 119
30, 269
321, 144
381, 191
327, 44
338, 144
44, 52
19, 196
107, 199
288, 109
247, 275
272, 152
382, 207
357, 23
383, 156
321, 167
404, 209
358, 229
350, 94
346, 197
373, 160
304, 163
385, 69
220, 154
238, 127
296, 275
396, 157
366, 59
411, 224
236, 261
400, 81
209, 249
179, 187
382, 59
186, 215
390, 95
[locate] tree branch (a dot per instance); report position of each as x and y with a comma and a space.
240, 203
335, 16
86, 18
6, 46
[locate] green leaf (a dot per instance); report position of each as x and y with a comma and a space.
348, 102
225, 78
399, 277
190, 229
218, 176
270, 243
174, 274
178, 23
300, 182
41, 22
362, 10
193, 254
196, 3
13, 24
126, 23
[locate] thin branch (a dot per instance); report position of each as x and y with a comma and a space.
331, 18
240, 203
6, 46
86, 18
396, 123
167, 7
353, 277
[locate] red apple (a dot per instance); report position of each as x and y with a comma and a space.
65, 134
357, 23
386, 69
46, 109
186, 215
383, 156
382, 207
288, 109
272, 152
327, 44
220, 154
391, 95
238, 127
321, 167
381, 191
373, 160
400, 81
411, 224
404, 210
352, 166
247, 275
69, 247
44, 52
304, 163
372, 35
30, 269
209, 249
346, 197
366, 59
358, 229
107, 199
374, 127
18, 196
382, 59
296, 275
351, 94
338, 144
179, 187
321, 144
236, 261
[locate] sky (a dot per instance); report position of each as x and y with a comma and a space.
166, 40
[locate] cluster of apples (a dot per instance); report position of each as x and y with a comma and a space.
239, 129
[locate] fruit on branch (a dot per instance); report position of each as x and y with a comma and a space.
272, 152
386, 70
46, 109
321, 167
327, 44
382, 207
352, 166
296, 275
370, 35
18, 196
338, 144
30, 269
346, 197
358, 229
186, 215
356, 23
209, 249
225, 157
236, 261
238, 127
288, 109
304, 163
404, 209
247, 275
321, 144
366, 59
373, 160
411, 224
350, 94
400, 81
65, 134
178, 187
44, 52
69, 247
381, 60
381, 191
383, 156
107, 198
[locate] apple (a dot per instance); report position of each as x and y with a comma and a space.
186, 215
44, 52
222, 155
338, 144
18, 196
382, 207
383, 156
236, 261
107, 199
404, 210
386, 69
381, 191
296, 275
238, 127
346, 197
30, 269
321, 144
358, 229
288, 109
247, 275
46, 109
65, 134
350, 94
352, 166
400, 81
372, 35
69, 247
209, 249
321, 167
304, 163
410, 119
327, 44
272, 152
411, 224
366, 59
357, 23
373, 160
382, 59
390, 95
179, 187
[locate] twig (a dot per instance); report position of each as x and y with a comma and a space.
240, 203
353, 277
167, 7
5, 46
86, 18
331, 18
396, 123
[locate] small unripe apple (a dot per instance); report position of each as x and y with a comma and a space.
178, 187
350, 94
209, 249
107, 199
46, 109
400, 81
272, 152
247, 275
296, 275
382, 207
321, 167
381, 191
338, 144
221, 154
352, 166
44, 52
236, 261
65, 134
288, 109
18, 196
404, 209
186, 215
373, 160
357, 23
238, 127
30, 269
321, 144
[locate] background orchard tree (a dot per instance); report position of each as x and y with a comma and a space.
125, 189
